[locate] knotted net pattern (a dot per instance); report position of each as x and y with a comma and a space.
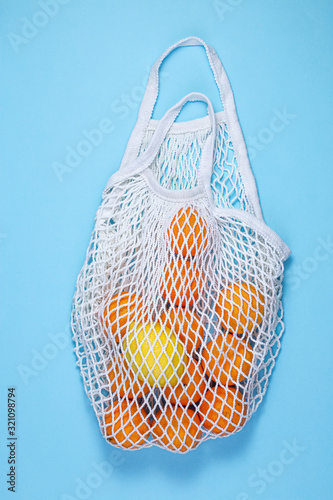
177, 314
176, 165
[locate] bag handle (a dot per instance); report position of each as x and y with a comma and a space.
143, 161
152, 89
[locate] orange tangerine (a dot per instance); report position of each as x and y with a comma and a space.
188, 233
126, 424
240, 307
120, 312
191, 387
177, 428
227, 359
223, 410
182, 282
186, 324
123, 381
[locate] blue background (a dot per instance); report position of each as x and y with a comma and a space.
72, 73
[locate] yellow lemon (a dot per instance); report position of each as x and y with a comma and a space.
155, 354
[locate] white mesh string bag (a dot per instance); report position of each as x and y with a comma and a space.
177, 314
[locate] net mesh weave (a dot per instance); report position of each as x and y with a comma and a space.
177, 314
177, 164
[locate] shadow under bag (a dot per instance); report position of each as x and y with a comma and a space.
177, 313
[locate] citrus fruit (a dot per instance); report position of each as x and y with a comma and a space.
240, 307
223, 410
120, 312
181, 282
177, 428
186, 324
227, 359
155, 354
126, 424
190, 389
187, 233
123, 381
